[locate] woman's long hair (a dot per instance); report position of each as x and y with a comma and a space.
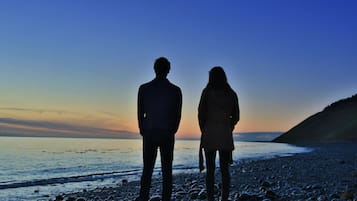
218, 79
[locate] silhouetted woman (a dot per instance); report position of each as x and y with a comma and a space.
218, 113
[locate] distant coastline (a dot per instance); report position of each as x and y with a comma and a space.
256, 136
241, 136
62, 136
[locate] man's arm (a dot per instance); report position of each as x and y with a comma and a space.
179, 109
140, 110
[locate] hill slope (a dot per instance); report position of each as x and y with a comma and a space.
337, 122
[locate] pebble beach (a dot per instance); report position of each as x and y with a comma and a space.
327, 173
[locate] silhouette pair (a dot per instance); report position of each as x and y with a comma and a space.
159, 115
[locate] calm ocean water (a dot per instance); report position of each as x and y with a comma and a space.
39, 168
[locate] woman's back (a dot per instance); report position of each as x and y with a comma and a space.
219, 106
218, 113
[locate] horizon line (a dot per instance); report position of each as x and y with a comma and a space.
126, 138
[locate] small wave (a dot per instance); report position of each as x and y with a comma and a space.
83, 178
63, 180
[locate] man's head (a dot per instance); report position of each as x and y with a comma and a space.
162, 67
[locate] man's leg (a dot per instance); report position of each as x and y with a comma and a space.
166, 152
224, 160
211, 165
149, 157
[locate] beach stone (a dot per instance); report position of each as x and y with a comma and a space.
244, 197
249, 197
181, 192
155, 198
248, 187
124, 181
202, 194
179, 196
295, 191
71, 199
308, 187
266, 184
110, 198
236, 195
271, 194
310, 195
217, 188
194, 194
264, 169
321, 198
316, 186
354, 174
347, 195
97, 190
59, 198
334, 196
193, 183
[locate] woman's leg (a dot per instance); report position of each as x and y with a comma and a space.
211, 165
224, 161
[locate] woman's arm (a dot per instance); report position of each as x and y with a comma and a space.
202, 110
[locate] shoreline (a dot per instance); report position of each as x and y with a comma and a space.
329, 172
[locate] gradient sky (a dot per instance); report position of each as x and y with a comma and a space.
79, 63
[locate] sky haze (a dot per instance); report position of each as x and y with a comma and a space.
74, 67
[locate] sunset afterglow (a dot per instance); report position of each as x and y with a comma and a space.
73, 68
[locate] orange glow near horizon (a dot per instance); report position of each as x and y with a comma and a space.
113, 121
122, 117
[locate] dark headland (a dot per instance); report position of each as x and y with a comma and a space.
336, 123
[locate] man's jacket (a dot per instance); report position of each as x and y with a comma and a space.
159, 107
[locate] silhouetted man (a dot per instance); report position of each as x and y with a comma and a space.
159, 114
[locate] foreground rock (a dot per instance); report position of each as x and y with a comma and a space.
328, 173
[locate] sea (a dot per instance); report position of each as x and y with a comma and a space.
39, 168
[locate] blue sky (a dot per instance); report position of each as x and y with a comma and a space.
286, 59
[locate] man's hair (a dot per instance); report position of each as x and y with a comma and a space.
162, 67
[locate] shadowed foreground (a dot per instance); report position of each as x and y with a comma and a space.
327, 173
